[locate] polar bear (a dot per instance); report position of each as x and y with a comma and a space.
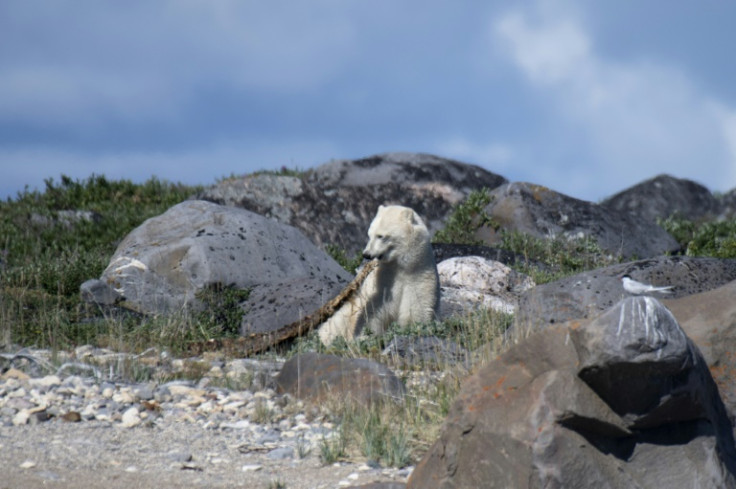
403, 288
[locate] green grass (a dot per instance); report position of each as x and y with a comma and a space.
46, 257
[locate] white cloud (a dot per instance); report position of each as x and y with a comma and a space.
625, 121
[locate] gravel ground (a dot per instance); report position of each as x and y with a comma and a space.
66, 430
94, 454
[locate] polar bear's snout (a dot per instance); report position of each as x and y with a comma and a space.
378, 247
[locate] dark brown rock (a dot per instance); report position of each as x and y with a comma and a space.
623, 401
709, 319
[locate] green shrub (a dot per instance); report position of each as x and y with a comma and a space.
707, 238
341, 257
466, 219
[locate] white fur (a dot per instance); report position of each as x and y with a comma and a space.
404, 288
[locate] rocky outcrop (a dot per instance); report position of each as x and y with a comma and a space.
663, 196
334, 203
162, 265
587, 294
625, 400
543, 213
314, 377
728, 204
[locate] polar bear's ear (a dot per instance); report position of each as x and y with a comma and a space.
409, 215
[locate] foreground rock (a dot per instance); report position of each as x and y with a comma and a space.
663, 196
334, 203
622, 401
588, 294
164, 264
709, 319
543, 213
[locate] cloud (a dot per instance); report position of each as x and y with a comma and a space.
72, 62
621, 120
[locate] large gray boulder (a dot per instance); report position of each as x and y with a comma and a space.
589, 293
619, 402
662, 196
162, 265
709, 319
544, 213
333, 204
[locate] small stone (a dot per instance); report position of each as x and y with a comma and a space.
281, 453
28, 464
21, 417
251, 468
125, 396
72, 417
14, 373
40, 417
19, 392
144, 392
131, 418
45, 382
238, 425
178, 456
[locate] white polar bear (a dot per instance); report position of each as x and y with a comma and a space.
404, 288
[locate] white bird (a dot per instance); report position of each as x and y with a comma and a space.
637, 288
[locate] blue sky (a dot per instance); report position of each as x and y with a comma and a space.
587, 98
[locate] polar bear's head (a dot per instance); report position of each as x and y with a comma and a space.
396, 234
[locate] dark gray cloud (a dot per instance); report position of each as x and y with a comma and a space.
549, 91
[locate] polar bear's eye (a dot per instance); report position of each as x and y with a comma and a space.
380, 236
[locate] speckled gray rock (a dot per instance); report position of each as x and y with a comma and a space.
313, 376
424, 351
334, 203
590, 293
544, 213
162, 265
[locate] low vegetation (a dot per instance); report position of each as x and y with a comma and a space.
53, 240
703, 238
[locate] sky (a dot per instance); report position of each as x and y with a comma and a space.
585, 97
